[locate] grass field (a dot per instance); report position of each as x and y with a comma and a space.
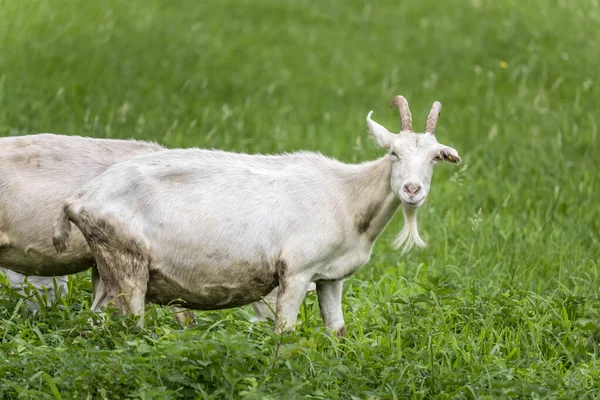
503, 303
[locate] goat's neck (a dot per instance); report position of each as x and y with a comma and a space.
372, 202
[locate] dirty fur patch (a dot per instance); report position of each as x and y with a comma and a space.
121, 260
363, 221
163, 290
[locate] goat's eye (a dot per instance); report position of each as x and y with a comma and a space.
393, 154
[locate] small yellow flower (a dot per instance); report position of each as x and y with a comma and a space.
503, 64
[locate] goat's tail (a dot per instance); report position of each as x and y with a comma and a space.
62, 229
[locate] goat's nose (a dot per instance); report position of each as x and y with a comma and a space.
412, 188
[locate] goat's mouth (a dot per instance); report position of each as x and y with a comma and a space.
414, 203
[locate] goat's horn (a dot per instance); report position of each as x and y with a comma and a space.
436, 110
405, 117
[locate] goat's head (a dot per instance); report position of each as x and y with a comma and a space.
413, 157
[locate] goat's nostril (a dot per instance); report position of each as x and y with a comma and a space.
412, 188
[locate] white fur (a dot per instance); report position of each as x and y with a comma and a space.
409, 236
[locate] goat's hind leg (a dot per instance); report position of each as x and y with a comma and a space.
124, 285
99, 293
122, 262
126, 278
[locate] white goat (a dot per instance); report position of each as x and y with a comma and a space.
218, 229
37, 173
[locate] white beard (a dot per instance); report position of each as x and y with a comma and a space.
409, 236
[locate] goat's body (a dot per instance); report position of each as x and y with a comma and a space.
220, 230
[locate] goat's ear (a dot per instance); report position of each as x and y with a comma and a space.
450, 155
382, 136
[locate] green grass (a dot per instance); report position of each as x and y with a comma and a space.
503, 303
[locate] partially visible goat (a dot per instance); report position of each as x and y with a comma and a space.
219, 229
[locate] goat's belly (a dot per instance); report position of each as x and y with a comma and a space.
199, 294
31, 262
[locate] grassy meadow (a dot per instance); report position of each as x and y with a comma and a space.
503, 303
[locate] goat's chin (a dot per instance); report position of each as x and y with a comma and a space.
409, 235
413, 204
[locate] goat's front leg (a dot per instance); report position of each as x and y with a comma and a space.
330, 303
289, 298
